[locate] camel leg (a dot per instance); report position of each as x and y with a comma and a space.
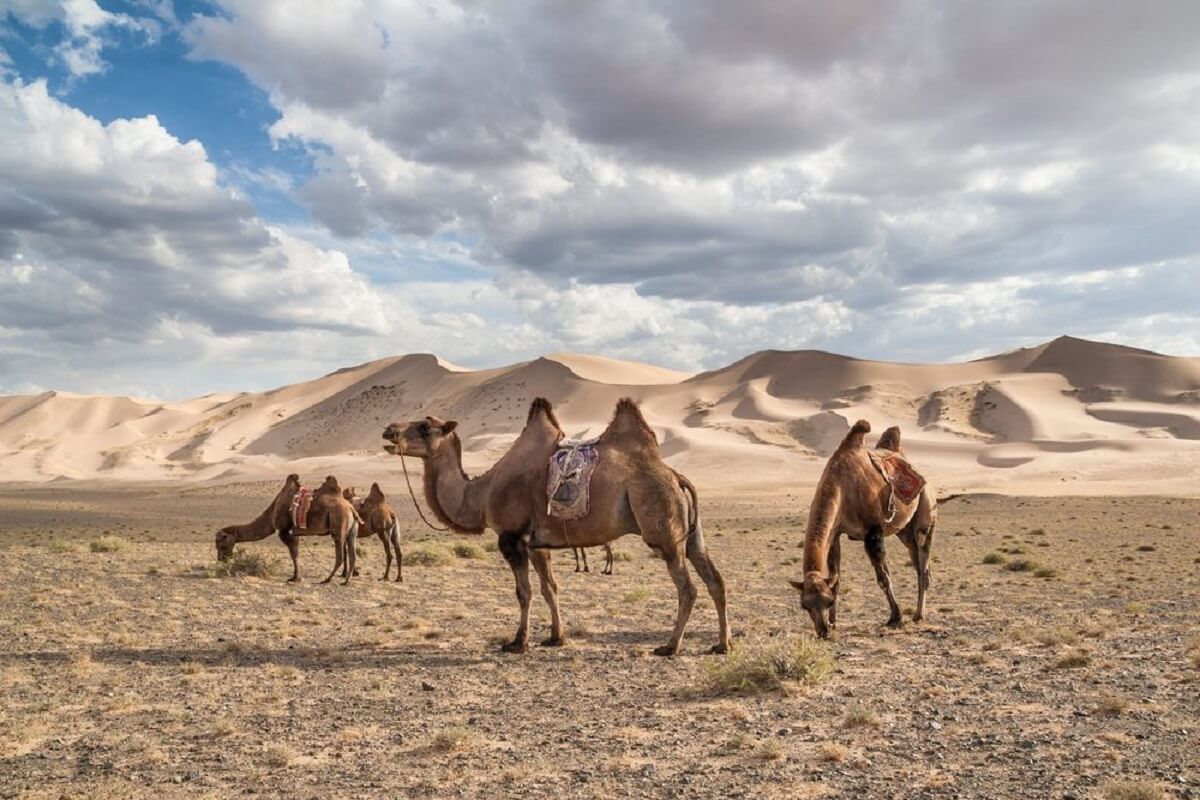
516, 553
399, 555
387, 552
351, 552
833, 563
924, 547
293, 545
715, 584
878, 556
545, 570
339, 551
608, 560
687, 597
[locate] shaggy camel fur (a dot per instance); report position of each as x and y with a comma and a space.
581, 558
632, 491
378, 519
329, 515
853, 498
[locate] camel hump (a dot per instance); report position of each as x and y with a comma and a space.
541, 405
628, 421
890, 439
376, 493
854, 438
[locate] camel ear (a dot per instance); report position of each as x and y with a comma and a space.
798, 584
449, 426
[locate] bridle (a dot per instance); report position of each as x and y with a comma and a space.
413, 495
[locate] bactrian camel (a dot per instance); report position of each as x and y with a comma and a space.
378, 519
852, 498
632, 491
581, 562
328, 515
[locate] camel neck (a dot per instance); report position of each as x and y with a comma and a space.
822, 517
456, 500
262, 526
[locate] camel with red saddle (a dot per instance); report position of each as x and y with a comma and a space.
867, 495
630, 490
327, 513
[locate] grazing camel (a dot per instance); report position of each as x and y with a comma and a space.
378, 519
632, 491
853, 498
581, 556
328, 515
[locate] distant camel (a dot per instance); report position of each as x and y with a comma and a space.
854, 498
581, 555
328, 515
632, 491
378, 519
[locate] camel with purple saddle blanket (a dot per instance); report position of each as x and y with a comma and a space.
867, 495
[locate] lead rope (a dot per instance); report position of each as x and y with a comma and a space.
413, 495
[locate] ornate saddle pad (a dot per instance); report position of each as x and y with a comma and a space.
569, 478
906, 482
300, 504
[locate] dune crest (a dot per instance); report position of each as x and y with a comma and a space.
1067, 416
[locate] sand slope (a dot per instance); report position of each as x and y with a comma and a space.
1067, 416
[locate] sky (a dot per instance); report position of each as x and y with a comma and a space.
216, 195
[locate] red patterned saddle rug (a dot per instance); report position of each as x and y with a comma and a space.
905, 481
569, 478
300, 504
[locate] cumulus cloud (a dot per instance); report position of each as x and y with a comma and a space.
88, 27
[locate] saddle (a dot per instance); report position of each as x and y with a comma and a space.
569, 477
906, 483
300, 504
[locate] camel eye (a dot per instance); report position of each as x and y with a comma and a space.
423, 429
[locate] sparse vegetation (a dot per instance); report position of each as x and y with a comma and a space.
861, 717
768, 665
453, 740
1133, 790
244, 563
468, 550
769, 750
994, 558
1072, 659
108, 544
1022, 565
427, 554
1045, 572
622, 555
832, 753
1111, 705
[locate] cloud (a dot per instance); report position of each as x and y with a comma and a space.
88, 28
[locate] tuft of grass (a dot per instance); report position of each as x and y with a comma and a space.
1135, 607
453, 740
1072, 659
244, 563
1053, 636
769, 750
994, 558
1022, 565
108, 544
832, 753
60, 547
1133, 790
1111, 705
491, 545
636, 595
621, 555
467, 550
428, 555
861, 717
1045, 572
276, 755
765, 666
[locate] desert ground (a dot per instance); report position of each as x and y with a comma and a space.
130, 667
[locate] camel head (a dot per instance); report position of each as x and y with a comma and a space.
350, 494
816, 595
422, 439
330, 485
226, 539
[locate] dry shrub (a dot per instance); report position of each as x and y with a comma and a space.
1133, 790
769, 750
108, 544
832, 753
244, 563
1072, 659
621, 555
994, 558
1111, 705
1022, 565
861, 717
453, 740
428, 555
467, 550
767, 665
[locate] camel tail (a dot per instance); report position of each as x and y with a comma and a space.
695, 532
394, 535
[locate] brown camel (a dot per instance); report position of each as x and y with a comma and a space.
581, 562
632, 491
853, 498
378, 519
329, 515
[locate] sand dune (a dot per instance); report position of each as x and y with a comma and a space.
1068, 415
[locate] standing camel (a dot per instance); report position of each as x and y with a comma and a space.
854, 498
378, 519
632, 491
581, 557
329, 515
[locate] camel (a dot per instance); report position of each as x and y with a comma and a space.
329, 515
378, 519
853, 498
581, 557
632, 491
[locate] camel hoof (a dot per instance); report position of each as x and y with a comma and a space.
666, 650
895, 624
918, 617
293, 580
720, 649
554, 641
514, 647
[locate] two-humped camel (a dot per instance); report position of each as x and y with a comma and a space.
330, 514
378, 519
854, 499
632, 491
